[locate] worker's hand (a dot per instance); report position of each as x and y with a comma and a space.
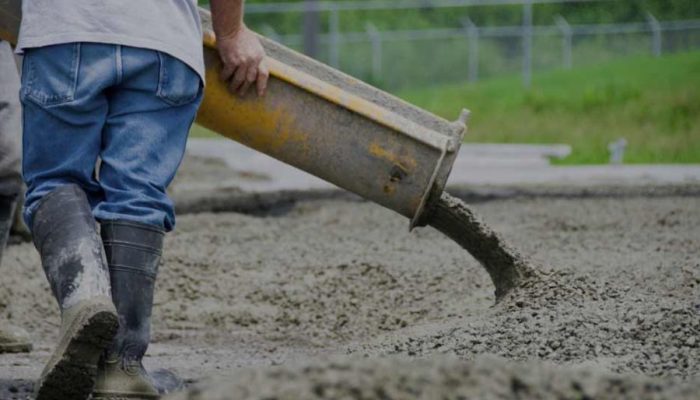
244, 61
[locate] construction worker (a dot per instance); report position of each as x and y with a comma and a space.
12, 339
118, 82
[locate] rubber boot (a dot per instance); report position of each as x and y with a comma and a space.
19, 232
65, 234
12, 339
133, 254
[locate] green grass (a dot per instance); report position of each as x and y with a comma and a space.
653, 103
202, 132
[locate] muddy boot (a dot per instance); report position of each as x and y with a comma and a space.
19, 232
12, 339
65, 234
116, 381
7, 215
133, 253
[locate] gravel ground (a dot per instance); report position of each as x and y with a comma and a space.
440, 377
618, 305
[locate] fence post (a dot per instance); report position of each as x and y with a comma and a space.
473, 37
567, 40
655, 34
376, 38
334, 25
270, 32
527, 43
311, 27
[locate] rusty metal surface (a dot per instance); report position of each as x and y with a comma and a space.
337, 128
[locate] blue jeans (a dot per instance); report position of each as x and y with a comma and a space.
131, 108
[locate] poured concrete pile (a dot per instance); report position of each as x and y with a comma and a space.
299, 282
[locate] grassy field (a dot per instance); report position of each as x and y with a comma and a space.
653, 103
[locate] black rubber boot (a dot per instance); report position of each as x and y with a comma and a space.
19, 232
12, 339
133, 254
65, 233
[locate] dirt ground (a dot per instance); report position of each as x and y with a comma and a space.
334, 298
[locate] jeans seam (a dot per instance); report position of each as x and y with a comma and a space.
118, 63
161, 75
77, 50
32, 72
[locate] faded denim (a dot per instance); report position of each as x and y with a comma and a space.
131, 108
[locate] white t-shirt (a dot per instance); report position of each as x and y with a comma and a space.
169, 26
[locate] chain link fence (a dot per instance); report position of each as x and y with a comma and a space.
401, 59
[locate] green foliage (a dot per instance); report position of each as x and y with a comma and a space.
653, 103
591, 98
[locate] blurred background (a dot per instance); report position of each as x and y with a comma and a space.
617, 80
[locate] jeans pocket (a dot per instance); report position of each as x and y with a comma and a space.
50, 74
178, 84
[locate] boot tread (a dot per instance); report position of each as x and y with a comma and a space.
70, 374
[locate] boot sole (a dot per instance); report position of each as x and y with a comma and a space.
121, 389
124, 396
15, 348
70, 373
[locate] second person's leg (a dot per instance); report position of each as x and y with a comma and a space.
12, 339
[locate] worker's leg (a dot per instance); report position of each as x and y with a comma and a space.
151, 112
10, 124
11, 339
144, 138
64, 113
64, 109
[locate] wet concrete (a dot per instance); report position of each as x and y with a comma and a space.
507, 268
344, 278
